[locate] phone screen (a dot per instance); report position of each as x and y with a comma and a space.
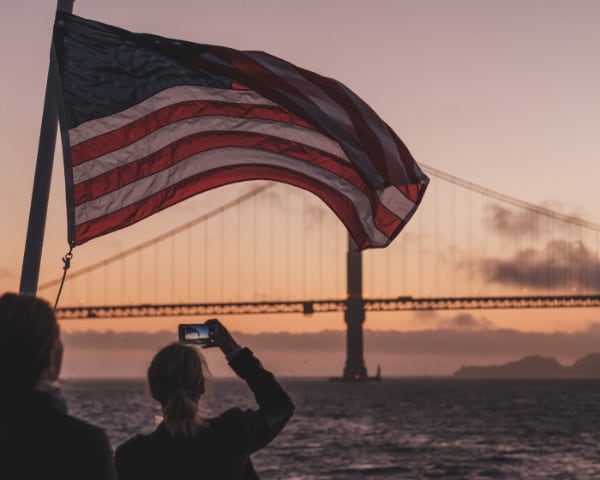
195, 333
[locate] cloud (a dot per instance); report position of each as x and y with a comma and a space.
457, 321
465, 321
484, 343
561, 265
509, 222
470, 339
450, 335
521, 222
110, 340
110, 354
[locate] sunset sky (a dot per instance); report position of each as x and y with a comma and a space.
503, 94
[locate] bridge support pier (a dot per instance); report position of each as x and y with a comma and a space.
354, 316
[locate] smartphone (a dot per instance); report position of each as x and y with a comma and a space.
197, 334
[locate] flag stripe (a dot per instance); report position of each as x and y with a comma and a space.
365, 126
323, 102
176, 131
292, 80
149, 121
112, 141
392, 200
218, 159
162, 99
178, 150
342, 206
396, 202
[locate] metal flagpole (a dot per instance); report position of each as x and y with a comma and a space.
43, 173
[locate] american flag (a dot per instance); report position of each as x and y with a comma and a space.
148, 121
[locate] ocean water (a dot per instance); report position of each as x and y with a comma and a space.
440, 428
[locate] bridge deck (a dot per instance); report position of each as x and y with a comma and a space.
320, 306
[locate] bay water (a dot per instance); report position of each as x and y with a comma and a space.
406, 428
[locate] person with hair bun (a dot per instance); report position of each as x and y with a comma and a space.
38, 439
188, 446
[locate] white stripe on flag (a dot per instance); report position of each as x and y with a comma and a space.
176, 131
333, 115
169, 96
396, 202
218, 159
379, 128
311, 91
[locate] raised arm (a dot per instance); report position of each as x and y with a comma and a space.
275, 406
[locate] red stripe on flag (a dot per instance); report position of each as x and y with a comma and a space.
201, 142
257, 77
366, 137
299, 128
340, 205
413, 191
385, 221
270, 84
130, 133
169, 156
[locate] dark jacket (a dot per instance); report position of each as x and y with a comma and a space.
221, 451
39, 440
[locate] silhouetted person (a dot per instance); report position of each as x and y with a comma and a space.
186, 445
38, 439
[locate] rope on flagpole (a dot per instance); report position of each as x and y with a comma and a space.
66, 265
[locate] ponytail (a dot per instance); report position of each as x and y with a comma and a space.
181, 414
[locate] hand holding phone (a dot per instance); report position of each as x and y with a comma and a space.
202, 334
223, 338
212, 333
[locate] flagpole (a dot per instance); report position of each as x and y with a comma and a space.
43, 173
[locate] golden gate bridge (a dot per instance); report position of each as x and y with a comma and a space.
467, 248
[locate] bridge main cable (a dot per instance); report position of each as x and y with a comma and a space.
153, 241
570, 219
433, 171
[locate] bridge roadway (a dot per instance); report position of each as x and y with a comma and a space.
308, 307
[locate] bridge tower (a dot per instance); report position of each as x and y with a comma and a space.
354, 316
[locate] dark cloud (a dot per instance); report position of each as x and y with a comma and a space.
456, 321
521, 222
449, 341
423, 352
465, 321
484, 342
509, 222
560, 265
425, 315
110, 340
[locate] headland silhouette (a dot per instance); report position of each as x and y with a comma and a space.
536, 366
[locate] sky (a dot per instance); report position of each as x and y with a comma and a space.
501, 94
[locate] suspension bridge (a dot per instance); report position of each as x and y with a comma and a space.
265, 248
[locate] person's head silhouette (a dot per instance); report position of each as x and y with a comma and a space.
34, 421
176, 377
30, 347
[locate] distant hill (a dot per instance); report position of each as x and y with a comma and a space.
536, 366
